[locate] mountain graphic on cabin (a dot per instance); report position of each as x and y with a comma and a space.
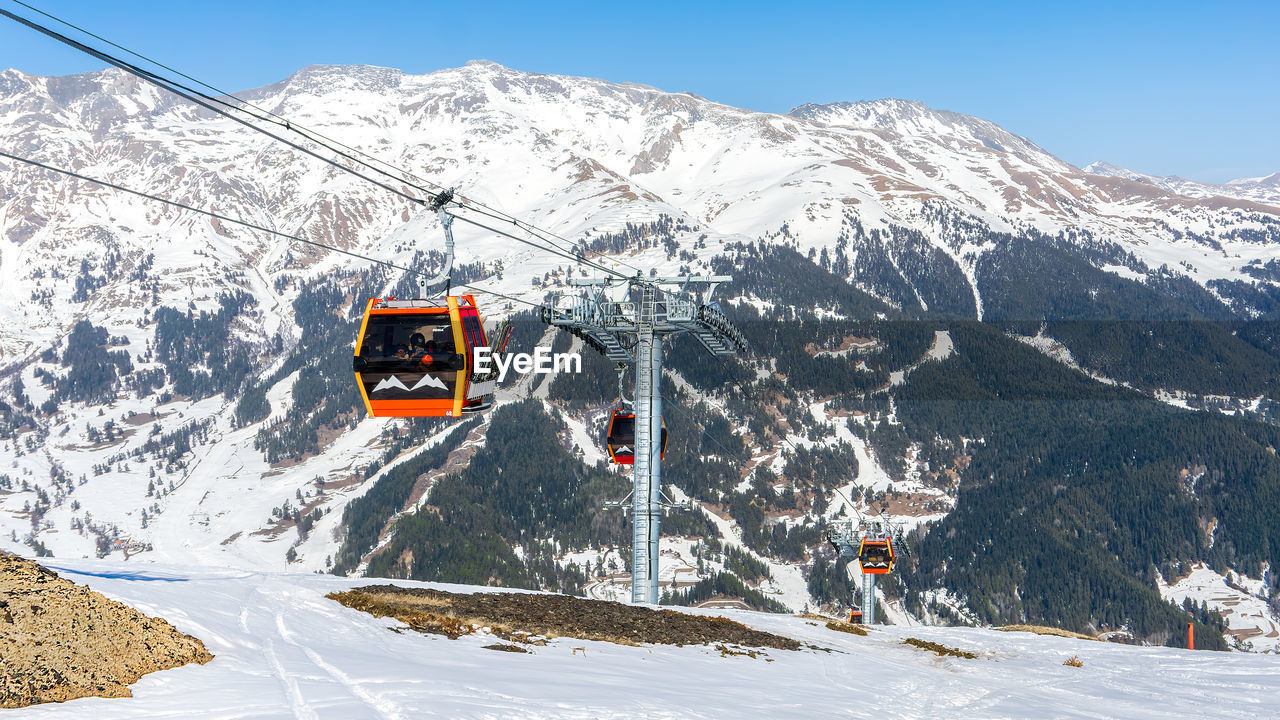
395, 382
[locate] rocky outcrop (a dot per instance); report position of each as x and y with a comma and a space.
60, 641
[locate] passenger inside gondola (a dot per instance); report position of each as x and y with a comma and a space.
433, 354
420, 350
401, 345
875, 556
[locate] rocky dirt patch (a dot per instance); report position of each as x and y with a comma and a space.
939, 649
1045, 630
503, 647
519, 616
845, 627
60, 641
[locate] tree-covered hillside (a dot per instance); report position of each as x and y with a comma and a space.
1078, 493
1072, 496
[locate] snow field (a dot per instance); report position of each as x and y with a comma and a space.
284, 651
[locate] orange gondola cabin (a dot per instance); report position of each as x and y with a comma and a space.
621, 438
414, 358
875, 555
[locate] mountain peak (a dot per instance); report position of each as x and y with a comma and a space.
1101, 167
913, 118
328, 79
1272, 180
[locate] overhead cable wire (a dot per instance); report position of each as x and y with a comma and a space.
537, 233
545, 235
266, 115
197, 98
252, 226
547, 248
335, 146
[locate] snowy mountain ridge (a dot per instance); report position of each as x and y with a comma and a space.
580, 156
1260, 189
607, 153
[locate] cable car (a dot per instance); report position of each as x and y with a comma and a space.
413, 358
875, 555
621, 437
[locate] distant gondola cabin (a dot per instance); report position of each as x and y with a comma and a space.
413, 358
620, 438
875, 555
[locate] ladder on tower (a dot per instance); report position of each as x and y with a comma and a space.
869, 599
644, 560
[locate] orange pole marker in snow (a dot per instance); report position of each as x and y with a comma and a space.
1191, 636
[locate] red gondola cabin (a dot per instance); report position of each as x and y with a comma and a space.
621, 438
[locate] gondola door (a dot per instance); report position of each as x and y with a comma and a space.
621, 438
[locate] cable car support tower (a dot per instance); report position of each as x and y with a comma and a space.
850, 537
626, 320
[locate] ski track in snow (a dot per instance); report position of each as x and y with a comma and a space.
285, 651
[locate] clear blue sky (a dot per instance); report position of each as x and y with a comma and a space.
1166, 88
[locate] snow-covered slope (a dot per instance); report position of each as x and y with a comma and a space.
912, 119
282, 650
1242, 602
1261, 189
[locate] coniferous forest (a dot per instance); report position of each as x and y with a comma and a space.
1074, 498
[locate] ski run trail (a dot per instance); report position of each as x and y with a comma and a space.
285, 651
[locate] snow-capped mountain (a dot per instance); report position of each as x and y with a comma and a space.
1262, 189
582, 157
570, 153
